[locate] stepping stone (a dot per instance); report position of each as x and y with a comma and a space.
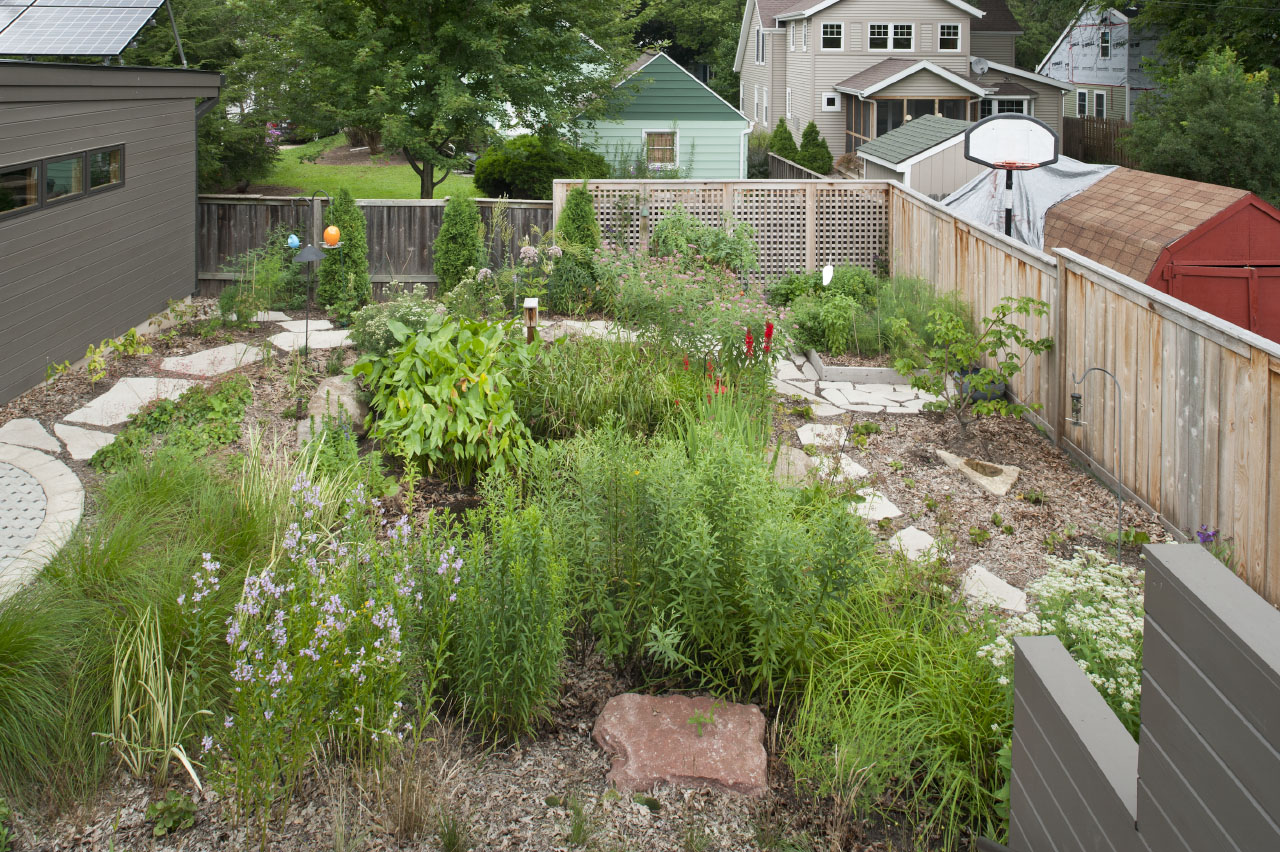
900, 396
798, 359
791, 390
788, 372
805, 385
996, 479
301, 325
913, 543
981, 586
809, 372
878, 389
652, 741
858, 396
842, 468
822, 409
876, 507
82, 443
270, 316
291, 341
27, 432
868, 409
842, 388
821, 434
336, 397
126, 398
835, 397
917, 405
213, 362
793, 467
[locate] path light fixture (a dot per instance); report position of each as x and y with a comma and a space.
1077, 409
308, 255
530, 318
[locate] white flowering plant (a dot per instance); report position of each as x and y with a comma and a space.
1094, 607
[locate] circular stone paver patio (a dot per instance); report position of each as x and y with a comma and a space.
41, 501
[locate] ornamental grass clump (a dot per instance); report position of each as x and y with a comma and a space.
1094, 607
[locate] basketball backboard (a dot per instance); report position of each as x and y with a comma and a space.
1011, 141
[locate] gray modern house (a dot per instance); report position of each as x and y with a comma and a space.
97, 205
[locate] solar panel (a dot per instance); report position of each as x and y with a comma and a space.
71, 27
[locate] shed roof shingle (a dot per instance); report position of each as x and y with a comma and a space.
1128, 218
913, 138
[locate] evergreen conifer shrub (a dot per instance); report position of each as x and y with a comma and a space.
344, 273
783, 143
460, 243
577, 224
814, 154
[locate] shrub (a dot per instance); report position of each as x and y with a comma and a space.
460, 243
814, 153
571, 286
482, 294
371, 329
443, 398
527, 166
782, 143
900, 713
577, 225
684, 554
344, 273
509, 641
730, 246
758, 155
1094, 606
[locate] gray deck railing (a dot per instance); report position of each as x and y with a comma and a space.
1204, 773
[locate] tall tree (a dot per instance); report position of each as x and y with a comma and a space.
697, 33
428, 75
1216, 123
1042, 21
1251, 28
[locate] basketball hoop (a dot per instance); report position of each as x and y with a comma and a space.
991, 141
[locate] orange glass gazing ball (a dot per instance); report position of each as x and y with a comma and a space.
332, 235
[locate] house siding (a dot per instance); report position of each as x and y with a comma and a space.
941, 174
923, 84
875, 171
998, 47
711, 150
92, 267
1077, 59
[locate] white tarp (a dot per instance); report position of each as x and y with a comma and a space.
981, 200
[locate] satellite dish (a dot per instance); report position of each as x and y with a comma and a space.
979, 65
1011, 141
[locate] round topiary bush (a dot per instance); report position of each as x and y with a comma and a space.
526, 167
460, 243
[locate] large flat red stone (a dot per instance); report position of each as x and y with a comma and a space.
651, 740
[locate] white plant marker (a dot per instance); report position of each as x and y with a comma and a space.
827, 272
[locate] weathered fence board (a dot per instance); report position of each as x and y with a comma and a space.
1095, 140
401, 232
780, 168
799, 224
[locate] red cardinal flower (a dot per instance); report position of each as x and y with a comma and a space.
686, 362
768, 335
751, 344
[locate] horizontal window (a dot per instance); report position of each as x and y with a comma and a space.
997, 106
19, 188
25, 187
891, 37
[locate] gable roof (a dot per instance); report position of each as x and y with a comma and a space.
771, 9
912, 138
1129, 217
807, 8
994, 69
666, 90
886, 72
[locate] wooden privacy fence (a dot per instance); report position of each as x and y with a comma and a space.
1200, 407
401, 232
780, 168
1095, 140
798, 224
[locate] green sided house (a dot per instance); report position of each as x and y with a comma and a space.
673, 123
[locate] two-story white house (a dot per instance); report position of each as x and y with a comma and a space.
860, 68
1101, 56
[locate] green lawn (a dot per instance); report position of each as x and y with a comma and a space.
361, 181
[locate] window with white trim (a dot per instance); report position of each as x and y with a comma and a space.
891, 37
759, 48
791, 35
1000, 106
764, 106
1104, 44
755, 107
1082, 103
1100, 104
830, 102
660, 149
833, 36
948, 37
788, 101
804, 37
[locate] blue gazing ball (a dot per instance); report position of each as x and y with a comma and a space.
294, 242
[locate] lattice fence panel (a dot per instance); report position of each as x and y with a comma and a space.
704, 202
778, 216
853, 225
618, 213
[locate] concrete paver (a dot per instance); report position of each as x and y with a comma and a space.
126, 398
27, 432
213, 362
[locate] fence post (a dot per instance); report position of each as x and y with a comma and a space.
317, 220
1056, 411
810, 226
643, 237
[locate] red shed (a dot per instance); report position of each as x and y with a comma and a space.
1212, 246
